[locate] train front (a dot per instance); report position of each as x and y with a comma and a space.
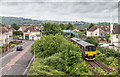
90, 52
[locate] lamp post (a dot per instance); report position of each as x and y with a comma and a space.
34, 52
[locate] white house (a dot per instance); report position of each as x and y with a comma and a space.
31, 33
115, 37
99, 31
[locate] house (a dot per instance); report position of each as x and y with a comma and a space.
115, 37
99, 31
23, 28
10, 30
4, 35
75, 30
31, 33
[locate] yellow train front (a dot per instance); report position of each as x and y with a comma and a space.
88, 50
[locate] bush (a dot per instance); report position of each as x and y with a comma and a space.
40, 69
92, 40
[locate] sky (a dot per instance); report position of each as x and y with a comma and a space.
62, 10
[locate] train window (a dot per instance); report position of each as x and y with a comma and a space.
90, 48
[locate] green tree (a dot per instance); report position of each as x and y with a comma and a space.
92, 40
69, 26
107, 37
18, 33
15, 26
63, 26
91, 25
51, 28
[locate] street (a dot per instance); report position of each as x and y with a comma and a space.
15, 62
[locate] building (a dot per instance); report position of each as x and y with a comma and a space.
31, 33
4, 35
115, 37
99, 31
23, 28
10, 30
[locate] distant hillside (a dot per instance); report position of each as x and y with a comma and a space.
24, 21
19, 20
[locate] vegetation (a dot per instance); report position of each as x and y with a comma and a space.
69, 26
51, 28
92, 40
15, 26
91, 25
107, 37
108, 56
57, 54
18, 33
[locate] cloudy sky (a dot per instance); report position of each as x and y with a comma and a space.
72, 10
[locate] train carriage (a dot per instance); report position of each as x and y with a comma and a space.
88, 50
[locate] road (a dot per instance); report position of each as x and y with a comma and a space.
15, 63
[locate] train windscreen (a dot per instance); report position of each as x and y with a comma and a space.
90, 48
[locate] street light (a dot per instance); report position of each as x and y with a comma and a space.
34, 52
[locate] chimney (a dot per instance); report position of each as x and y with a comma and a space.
34, 27
111, 28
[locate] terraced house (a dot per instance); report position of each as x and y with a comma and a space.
4, 39
115, 37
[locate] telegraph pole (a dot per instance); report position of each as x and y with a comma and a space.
34, 51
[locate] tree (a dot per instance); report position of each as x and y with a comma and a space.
62, 26
107, 37
69, 26
18, 33
15, 26
91, 25
51, 28
92, 40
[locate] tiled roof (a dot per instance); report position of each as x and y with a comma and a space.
4, 30
116, 29
103, 27
31, 29
38, 35
23, 28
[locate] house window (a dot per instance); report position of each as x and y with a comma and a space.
116, 36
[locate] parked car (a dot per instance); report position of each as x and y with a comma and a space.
20, 38
19, 48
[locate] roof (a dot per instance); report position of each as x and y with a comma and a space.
81, 42
103, 27
31, 29
4, 30
38, 35
23, 27
116, 29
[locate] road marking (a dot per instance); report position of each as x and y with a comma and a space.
13, 61
28, 65
10, 52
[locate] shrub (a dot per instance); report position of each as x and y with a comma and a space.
41, 69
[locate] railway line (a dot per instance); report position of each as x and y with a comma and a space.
97, 64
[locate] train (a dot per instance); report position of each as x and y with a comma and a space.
88, 50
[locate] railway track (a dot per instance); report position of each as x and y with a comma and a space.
97, 64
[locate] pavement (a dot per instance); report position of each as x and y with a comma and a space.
15, 62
